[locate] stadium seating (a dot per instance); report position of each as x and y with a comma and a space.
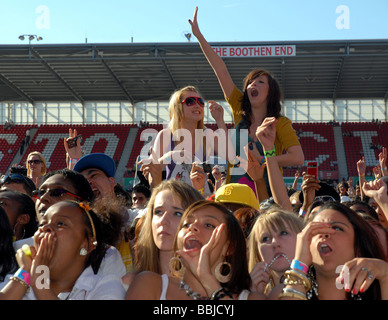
10, 141
364, 139
48, 140
137, 147
317, 140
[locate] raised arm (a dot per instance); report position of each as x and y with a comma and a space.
213, 58
266, 135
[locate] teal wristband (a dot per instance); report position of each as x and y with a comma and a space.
298, 265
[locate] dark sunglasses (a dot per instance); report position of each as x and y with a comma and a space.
9, 178
191, 101
37, 161
56, 193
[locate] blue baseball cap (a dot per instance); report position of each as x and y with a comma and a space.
96, 160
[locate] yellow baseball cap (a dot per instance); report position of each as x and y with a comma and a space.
237, 193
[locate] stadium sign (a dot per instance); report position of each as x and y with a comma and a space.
255, 51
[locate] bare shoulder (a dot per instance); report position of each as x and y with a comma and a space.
146, 285
257, 296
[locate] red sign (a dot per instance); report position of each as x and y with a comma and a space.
255, 51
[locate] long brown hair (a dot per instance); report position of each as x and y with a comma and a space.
146, 252
366, 242
240, 278
274, 97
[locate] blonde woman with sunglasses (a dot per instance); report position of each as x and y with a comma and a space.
36, 167
185, 141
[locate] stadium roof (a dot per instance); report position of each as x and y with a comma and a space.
135, 72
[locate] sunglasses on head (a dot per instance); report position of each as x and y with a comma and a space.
324, 198
191, 101
56, 193
37, 161
14, 177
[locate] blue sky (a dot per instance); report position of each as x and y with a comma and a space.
152, 21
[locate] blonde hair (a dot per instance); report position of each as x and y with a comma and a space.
146, 252
175, 108
44, 167
275, 218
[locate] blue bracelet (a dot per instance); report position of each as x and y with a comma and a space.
297, 265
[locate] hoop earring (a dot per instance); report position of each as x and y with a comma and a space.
176, 267
218, 272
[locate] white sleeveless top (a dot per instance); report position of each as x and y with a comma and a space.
242, 296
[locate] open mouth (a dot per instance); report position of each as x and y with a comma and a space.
192, 244
324, 249
96, 193
254, 93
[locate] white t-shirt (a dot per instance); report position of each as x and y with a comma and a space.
90, 286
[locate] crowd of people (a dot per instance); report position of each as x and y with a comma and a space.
205, 231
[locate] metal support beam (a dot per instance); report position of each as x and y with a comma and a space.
118, 81
16, 89
57, 76
161, 58
338, 80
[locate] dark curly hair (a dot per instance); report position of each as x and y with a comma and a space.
79, 182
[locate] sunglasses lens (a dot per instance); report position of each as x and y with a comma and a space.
57, 192
201, 101
190, 102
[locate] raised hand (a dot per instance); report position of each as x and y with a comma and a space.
266, 133
260, 277
194, 23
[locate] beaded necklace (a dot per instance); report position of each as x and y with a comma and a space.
275, 258
192, 294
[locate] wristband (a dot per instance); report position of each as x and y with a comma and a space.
270, 153
23, 275
166, 159
26, 249
74, 160
298, 265
302, 213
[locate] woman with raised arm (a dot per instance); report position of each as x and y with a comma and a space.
259, 99
185, 141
